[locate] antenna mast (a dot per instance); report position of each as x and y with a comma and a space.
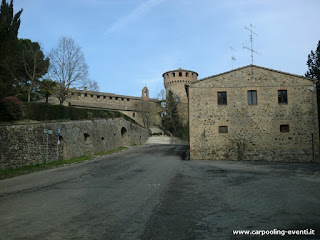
251, 40
232, 56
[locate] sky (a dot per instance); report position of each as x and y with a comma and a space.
129, 44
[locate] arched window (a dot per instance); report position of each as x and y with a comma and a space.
180, 74
173, 74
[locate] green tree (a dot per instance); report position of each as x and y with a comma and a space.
314, 64
48, 88
171, 119
34, 63
9, 49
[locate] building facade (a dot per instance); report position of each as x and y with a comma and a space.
254, 113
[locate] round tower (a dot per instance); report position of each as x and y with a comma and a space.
175, 81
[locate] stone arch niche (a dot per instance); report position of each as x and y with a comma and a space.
125, 137
88, 144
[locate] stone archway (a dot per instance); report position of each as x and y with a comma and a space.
125, 137
88, 144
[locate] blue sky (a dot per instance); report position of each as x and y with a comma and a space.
130, 43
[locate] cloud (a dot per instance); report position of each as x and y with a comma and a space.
134, 15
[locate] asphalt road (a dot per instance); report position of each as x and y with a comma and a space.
148, 192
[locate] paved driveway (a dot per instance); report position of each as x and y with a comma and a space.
148, 192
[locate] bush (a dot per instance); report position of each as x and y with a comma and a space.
11, 109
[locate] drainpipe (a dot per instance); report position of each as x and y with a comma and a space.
187, 92
313, 128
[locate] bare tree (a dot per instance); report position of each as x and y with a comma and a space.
91, 84
161, 95
67, 66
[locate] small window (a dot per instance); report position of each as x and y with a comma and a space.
186, 74
180, 74
116, 98
128, 99
72, 94
222, 98
98, 96
85, 95
284, 128
133, 115
104, 97
223, 129
110, 98
282, 97
91, 95
252, 97
122, 99
173, 74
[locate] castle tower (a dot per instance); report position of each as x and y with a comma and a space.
175, 81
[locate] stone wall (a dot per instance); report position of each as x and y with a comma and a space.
253, 130
133, 107
26, 144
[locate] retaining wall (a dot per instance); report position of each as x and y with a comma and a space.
27, 144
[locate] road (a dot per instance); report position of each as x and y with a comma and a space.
148, 192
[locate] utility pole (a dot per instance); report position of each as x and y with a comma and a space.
251, 41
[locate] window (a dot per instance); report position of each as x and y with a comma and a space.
223, 129
98, 96
110, 98
222, 98
282, 97
104, 97
186, 74
173, 74
180, 74
85, 95
116, 98
284, 128
133, 115
252, 97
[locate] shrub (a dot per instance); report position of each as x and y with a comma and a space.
10, 109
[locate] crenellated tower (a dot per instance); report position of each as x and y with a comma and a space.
175, 81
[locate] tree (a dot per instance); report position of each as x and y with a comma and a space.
314, 64
91, 84
48, 88
35, 65
67, 66
171, 119
9, 50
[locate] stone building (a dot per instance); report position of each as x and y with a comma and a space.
175, 81
254, 113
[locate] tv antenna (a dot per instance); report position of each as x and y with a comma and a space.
251, 40
232, 56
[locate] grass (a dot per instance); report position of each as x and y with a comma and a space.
13, 172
